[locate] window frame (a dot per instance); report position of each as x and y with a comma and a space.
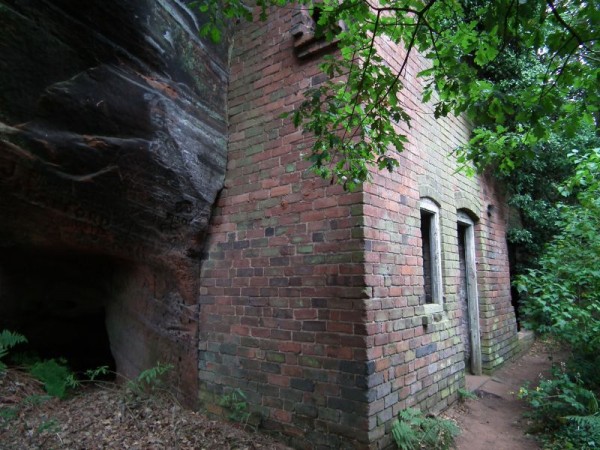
435, 251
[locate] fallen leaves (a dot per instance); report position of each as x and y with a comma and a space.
100, 417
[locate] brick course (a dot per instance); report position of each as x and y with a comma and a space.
312, 298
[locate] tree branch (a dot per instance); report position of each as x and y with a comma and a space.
565, 25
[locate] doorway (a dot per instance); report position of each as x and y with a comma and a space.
468, 295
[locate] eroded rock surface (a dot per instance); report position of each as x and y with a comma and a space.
112, 149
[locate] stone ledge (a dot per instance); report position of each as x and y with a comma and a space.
430, 313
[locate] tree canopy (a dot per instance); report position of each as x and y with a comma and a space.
525, 71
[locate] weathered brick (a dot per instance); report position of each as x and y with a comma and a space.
313, 325
270, 367
426, 350
328, 285
306, 410
302, 384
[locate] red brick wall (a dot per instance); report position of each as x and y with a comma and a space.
312, 298
283, 297
497, 316
417, 365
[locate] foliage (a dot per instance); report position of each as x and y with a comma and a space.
58, 378
149, 381
8, 414
562, 299
564, 412
465, 394
237, 405
93, 374
9, 339
476, 48
562, 295
50, 426
222, 13
557, 398
533, 193
580, 432
413, 431
55, 375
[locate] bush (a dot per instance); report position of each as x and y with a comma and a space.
558, 397
562, 299
562, 296
564, 412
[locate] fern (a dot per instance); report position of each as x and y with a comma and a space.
92, 374
405, 436
237, 405
149, 380
591, 423
413, 431
8, 339
55, 375
577, 432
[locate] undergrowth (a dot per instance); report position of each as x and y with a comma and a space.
237, 406
149, 381
9, 339
564, 412
56, 376
465, 394
58, 379
414, 431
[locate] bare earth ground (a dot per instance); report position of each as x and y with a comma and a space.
106, 417
495, 421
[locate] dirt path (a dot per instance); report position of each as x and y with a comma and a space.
495, 420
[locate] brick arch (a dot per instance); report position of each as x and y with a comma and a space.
429, 188
468, 203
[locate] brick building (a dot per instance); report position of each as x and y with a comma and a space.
332, 311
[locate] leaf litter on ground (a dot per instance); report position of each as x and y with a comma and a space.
104, 416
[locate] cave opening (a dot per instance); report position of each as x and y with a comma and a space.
58, 302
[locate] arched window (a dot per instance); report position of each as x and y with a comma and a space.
432, 252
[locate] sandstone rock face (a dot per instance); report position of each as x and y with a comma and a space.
112, 152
